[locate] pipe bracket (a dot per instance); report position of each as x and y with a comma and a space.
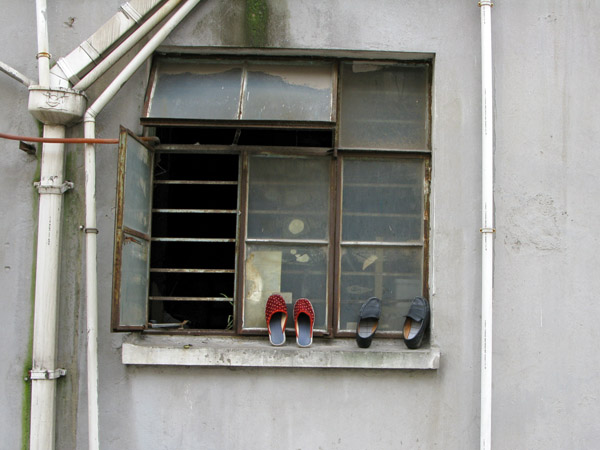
486, 3
131, 12
53, 189
46, 374
487, 230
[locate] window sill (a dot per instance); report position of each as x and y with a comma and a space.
257, 352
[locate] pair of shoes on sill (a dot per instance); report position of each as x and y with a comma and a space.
415, 323
276, 316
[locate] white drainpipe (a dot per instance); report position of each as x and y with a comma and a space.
487, 228
43, 105
43, 55
90, 213
44, 372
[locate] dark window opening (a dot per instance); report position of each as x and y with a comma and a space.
282, 137
194, 228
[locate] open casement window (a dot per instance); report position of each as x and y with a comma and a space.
307, 179
132, 234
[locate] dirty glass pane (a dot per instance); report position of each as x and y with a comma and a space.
132, 251
138, 187
384, 106
293, 271
288, 198
392, 274
196, 91
288, 92
382, 200
134, 281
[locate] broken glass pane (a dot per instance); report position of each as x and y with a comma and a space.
288, 92
196, 91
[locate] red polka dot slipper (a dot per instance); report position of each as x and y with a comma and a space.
276, 316
304, 318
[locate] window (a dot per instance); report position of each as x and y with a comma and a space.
308, 179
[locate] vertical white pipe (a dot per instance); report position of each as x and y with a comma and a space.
46, 292
487, 229
92, 287
43, 55
90, 213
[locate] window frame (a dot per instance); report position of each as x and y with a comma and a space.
335, 207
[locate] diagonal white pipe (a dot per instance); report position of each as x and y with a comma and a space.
487, 228
114, 56
15, 74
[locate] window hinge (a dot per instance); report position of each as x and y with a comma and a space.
44, 188
45, 374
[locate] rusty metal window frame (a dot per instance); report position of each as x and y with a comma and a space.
244, 65
339, 243
336, 154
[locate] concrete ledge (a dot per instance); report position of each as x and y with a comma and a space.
257, 352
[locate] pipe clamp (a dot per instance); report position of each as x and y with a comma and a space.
53, 189
46, 374
487, 230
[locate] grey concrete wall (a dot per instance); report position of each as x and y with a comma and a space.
17, 227
545, 366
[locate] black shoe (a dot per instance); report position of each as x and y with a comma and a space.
368, 319
416, 323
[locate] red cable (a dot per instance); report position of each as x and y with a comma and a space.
67, 140
59, 140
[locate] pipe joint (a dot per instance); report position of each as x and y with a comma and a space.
43, 55
486, 3
44, 188
487, 230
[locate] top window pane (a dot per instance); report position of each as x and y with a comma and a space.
209, 91
288, 92
384, 106
216, 90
